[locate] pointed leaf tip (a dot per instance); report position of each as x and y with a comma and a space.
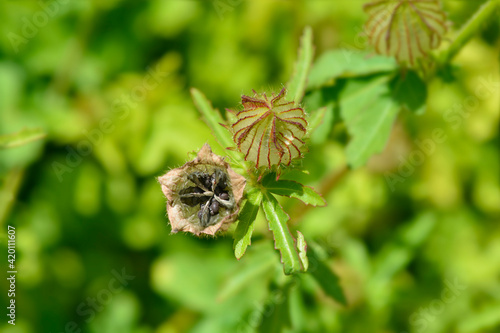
302, 247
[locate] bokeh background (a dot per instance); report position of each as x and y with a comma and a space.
108, 82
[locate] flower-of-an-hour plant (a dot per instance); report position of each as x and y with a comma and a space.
363, 91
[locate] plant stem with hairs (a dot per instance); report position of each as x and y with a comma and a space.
471, 28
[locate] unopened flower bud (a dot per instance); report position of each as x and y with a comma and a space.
405, 29
269, 131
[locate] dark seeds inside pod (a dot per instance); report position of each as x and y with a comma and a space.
219, 189
208, 182
190, 196
214, 208
215, 184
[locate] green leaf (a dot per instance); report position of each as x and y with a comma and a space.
369, 110
410, 92
316, 119
342, 63
297, 84
396, 255
283, 240
258, 265
398, 251
279, 318
325, 277
214, 120
293, 189
320, 124
243, 233
323, 96
20, 138
298, 308
302, 247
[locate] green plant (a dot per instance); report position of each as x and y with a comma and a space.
107, 85
262, 181
369, 92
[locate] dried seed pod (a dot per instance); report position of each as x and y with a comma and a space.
269, 132
405, 29
192, 204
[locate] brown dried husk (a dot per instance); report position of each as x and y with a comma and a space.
183, 217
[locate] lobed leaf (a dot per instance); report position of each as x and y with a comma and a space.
283, 240
341, 63
247, 216
410, 92
297, 84
292, 189
369, 110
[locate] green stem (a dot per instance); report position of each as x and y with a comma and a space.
483, 15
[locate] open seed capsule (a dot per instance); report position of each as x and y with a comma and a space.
203, 195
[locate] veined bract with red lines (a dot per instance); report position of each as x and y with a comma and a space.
269, 131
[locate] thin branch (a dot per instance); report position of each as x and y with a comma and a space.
472, 27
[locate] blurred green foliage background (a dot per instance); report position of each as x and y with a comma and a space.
108, 82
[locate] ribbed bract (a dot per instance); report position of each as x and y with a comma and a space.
269, 132
405, 29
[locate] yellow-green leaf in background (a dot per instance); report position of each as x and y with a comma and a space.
20, 138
